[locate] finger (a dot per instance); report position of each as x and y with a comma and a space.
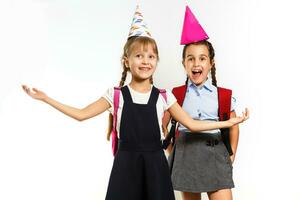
247, 117
246, 113
35, 90
24, 87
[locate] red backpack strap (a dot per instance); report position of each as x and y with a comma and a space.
179, 93
114, 133
224, 100
163, 93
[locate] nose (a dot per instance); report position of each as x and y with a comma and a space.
145, 61
197, 63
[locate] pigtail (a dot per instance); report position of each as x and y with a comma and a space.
212, 57
187, 80
213, 75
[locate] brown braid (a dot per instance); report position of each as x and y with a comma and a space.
211, 52
187, 80
213, 75
127, 50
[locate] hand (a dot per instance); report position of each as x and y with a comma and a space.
34, 93
238, 119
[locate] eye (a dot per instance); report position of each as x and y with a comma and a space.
190, 59
152, 56
203, 58
138, 55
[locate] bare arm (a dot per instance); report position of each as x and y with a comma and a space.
234, 137
89, 111
197, 125
165, 122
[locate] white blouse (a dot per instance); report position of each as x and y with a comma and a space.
141, 98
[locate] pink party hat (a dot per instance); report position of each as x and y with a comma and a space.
192, 31
138, 26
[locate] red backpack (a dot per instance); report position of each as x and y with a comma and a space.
224, 101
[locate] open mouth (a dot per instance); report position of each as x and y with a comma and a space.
197, 72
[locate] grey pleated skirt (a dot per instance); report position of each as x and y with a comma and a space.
201, 163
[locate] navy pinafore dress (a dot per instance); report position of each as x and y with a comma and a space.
140, 170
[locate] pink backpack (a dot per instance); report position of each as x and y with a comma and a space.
114, 133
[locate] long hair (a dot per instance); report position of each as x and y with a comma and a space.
131, 44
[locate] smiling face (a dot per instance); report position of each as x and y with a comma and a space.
197, 62
141, 61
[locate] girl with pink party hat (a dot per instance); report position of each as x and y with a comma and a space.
140, 169
202, 162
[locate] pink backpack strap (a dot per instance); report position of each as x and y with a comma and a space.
116, 105
163, 92
114, 133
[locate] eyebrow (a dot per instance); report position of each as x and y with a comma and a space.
196, 56
138, 52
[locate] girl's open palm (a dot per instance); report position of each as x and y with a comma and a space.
34, 93
240, 119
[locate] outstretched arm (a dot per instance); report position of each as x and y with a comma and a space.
197, 125
91, 110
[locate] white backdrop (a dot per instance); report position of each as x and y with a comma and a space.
71, 50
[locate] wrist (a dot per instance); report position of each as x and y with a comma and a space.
45, 99
228, 124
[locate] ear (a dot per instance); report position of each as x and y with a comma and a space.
126, 63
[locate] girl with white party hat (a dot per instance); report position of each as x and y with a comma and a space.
140, 169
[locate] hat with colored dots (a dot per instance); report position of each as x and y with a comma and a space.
138, 25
